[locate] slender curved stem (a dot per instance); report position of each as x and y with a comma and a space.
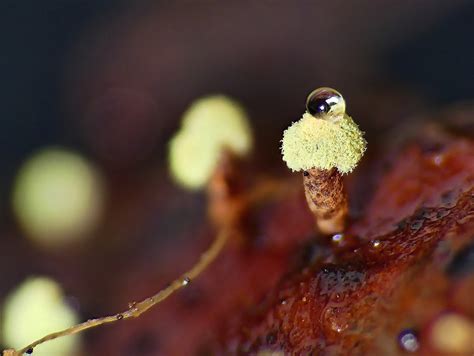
136, 309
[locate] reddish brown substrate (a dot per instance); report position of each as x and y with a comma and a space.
357, 300
353, 295
361, 299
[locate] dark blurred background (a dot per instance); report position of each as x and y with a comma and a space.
110, 79
113, 77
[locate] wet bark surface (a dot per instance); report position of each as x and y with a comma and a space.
400, 264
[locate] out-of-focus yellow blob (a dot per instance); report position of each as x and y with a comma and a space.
192, 160
210, 125
221, 120
34, 309
315, 142
57, 197
453, 334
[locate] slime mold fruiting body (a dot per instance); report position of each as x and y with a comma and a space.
325, 143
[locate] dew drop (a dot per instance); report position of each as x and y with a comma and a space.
325, 100
345, 241
337, 237
408, 340
318, 106
119, 316
186, 281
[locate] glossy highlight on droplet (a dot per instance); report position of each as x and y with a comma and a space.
408, 340
325, 101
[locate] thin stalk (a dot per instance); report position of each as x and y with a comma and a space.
136, 309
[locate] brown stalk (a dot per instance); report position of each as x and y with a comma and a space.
226, 191
136, 309
327, 199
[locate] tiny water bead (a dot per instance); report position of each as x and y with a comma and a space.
318, 106
337, 238
408, 340
325, 100
344, 242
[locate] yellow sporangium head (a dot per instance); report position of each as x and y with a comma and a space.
58, 197
33, 309
325, 137
210, 125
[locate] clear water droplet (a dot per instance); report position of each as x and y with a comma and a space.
408, 340
186, 281
325, 101
337, 237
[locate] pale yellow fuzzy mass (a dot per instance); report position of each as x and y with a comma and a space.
317, 143
58, 197
222, 120
192, 159
36, 308
208, 126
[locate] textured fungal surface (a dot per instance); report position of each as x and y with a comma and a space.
357, 297
210, 125
327, 199
313, 142
325, 189
397, 276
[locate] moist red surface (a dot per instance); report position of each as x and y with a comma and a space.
279, 289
